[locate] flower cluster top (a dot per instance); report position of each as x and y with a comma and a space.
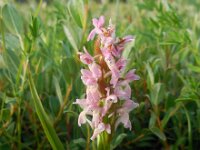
108, 94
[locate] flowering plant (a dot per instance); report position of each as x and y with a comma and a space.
108, 93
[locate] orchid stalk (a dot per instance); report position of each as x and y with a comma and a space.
108, 93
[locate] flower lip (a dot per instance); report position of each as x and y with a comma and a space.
86, 58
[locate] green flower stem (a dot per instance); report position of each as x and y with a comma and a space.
103, 141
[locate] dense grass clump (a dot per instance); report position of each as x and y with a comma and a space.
40, 72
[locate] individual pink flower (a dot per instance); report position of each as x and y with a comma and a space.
86, 58
131, 76
101, 127
123, 90
90, 77
87, 77
121, 64
98, 24
123, 112
120, 45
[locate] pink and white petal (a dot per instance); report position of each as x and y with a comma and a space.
98, 31
124, 118
96, 70
114, 51
112, 98
101, 21
131, 76
93, 95
95, 22
108, 128
114, 79
108, 41
110, 61
86, 58
106, 53
96, 118
123, 90
88, 81
128, 125
86, 72
128, 38
81, 102
91, 35
106, 107
129, 105
82, 118
98, 130
121, 63
87, 77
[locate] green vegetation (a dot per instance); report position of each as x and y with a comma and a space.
40, 72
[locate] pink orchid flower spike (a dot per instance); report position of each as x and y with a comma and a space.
107, 101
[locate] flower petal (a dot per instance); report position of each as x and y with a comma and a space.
86, 58
101, 21
131, 76
87, 77
123, 90
82, 118
127, 39
95, 22
96, 70
81, 102
112, 98
121, 64
91, 35
98, 130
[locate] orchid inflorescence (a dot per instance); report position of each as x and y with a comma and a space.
108, 91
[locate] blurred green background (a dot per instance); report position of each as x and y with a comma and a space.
40, 72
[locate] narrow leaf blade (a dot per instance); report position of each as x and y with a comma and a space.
47, 126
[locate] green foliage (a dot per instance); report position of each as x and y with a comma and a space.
36, 108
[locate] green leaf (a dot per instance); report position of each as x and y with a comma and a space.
54, 105
118, 140
128, 49
12, 19
168, 114
194, 68
12, 61
46, 124
70, 37
12, 42
150, 75
58, 90
189, 127
76, 10
158, 133
157, 93
35, 27
152, 120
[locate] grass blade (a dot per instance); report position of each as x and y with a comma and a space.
47, 126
